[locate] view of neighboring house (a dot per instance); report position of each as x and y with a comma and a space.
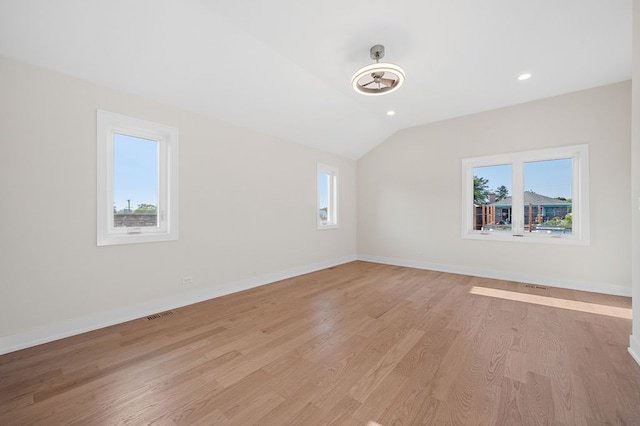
543, 208
538, 210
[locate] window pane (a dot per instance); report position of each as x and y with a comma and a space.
135, 186
327, 196
324, 180
492, 198
547, 196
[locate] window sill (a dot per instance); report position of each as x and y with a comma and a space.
134, 238
527, 238
321, 227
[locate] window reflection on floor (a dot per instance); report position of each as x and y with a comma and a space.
573, 305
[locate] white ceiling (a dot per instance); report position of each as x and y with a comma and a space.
284, 67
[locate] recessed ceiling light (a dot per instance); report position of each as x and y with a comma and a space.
525, 76
391, 112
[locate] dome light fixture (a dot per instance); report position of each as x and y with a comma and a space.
379, 78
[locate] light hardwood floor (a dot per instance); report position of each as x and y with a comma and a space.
348, 345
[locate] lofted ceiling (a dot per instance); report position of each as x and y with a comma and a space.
284, 67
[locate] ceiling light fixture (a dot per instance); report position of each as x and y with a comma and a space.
525, 76
391, 112
378, 78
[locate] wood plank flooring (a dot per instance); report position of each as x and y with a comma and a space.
349, 345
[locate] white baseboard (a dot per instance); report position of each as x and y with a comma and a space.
634, 348
60, 330
594, 287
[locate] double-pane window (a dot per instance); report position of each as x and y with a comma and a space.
537, 196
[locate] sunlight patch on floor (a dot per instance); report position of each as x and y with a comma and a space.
592, 308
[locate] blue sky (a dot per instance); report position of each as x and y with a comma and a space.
549, 178
323, 188
135, 171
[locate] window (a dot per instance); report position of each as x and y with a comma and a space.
327, 197
533, 196
137, 180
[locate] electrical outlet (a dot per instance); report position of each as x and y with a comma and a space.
187, 280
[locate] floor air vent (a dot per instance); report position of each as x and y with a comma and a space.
159, 315
535, 286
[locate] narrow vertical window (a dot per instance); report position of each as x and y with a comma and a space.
137, 180
327, 213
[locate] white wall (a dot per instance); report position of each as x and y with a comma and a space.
634, 347
409, 203
247, 212
247, 205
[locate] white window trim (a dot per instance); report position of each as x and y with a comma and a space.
332, 210
108, 124
580, 195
